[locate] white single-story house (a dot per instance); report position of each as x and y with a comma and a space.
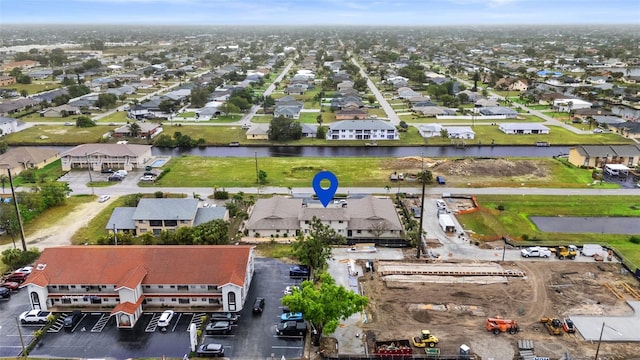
567, 105
523, 128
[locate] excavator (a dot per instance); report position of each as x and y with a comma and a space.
553, 325
425, 339
498, 325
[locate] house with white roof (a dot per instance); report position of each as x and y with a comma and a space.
523, 128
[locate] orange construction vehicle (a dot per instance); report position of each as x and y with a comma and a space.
498, 325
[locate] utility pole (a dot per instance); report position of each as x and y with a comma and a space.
256, 158
424, 182
15, 204
90, 179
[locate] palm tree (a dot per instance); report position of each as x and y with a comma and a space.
134, 129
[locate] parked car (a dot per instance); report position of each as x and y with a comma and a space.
122, 173
25, 269
5, 293
568, 326
289, 289
258, 305
299, 271
441, 204
106, 171
291, 328
17, 277
218, 327
11, 285
224, 316
291, 316
165, 318
103, 198
440, 179
147, 178
34, 317
115, 178
72, 319
210, 350
598, 131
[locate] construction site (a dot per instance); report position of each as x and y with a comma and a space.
503, 310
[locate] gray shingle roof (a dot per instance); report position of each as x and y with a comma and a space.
122, 219
275, 213
366, 212
166, 209
361, 125
204, 215
107, 149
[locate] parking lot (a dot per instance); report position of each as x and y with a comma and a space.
96, 335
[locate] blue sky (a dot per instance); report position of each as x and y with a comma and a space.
321, 12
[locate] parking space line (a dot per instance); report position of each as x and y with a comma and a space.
287, 347
153, 324
176, 324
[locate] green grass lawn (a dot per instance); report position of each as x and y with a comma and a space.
51, 171
57, 135
35, 87
213, 135
490, 223
116, 117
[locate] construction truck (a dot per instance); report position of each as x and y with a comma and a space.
553, 325
498, 325
566, 252
425, 339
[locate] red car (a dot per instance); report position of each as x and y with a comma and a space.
10, 285
17, 277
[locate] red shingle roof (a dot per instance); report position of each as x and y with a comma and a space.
126, 265
128, 307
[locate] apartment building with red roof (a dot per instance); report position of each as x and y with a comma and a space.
125, 280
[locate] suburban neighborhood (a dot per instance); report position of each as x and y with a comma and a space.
478, 190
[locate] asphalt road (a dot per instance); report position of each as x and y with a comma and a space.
391, 114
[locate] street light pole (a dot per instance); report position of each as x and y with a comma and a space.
89, 169
599, 342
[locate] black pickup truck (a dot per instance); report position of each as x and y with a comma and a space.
291, 328
224, 316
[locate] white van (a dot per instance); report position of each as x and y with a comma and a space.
611, 171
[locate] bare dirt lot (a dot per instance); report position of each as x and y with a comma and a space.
456, 313
459, 171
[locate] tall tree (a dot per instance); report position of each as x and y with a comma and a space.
324, 304
4, 179
134, 129
314, 249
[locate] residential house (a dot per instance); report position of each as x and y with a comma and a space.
367, 219
7, 80
453, 132
123, 90
483, 102
567, 105
347, 84
112, 156
296, 89
258, 132
512, 84
593, 156
145, 278
147, 130
14, 106
432, 111
406, 93
60, 111
509, 113
362, 130
138, 112
157, 215
523, 128
21, 158
607, 120
309, 131
351, 114
9, 125
287, 111
629, 129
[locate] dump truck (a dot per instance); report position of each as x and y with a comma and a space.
498, 325
426, 339
393, 349
553, 325
566, 252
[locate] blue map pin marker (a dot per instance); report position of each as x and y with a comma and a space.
325, 195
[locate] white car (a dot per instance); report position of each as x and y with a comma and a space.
289, 289
441, 204
598, 131
147, 178
34, 317
122, 173
103, 198
165, 318
25, 270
